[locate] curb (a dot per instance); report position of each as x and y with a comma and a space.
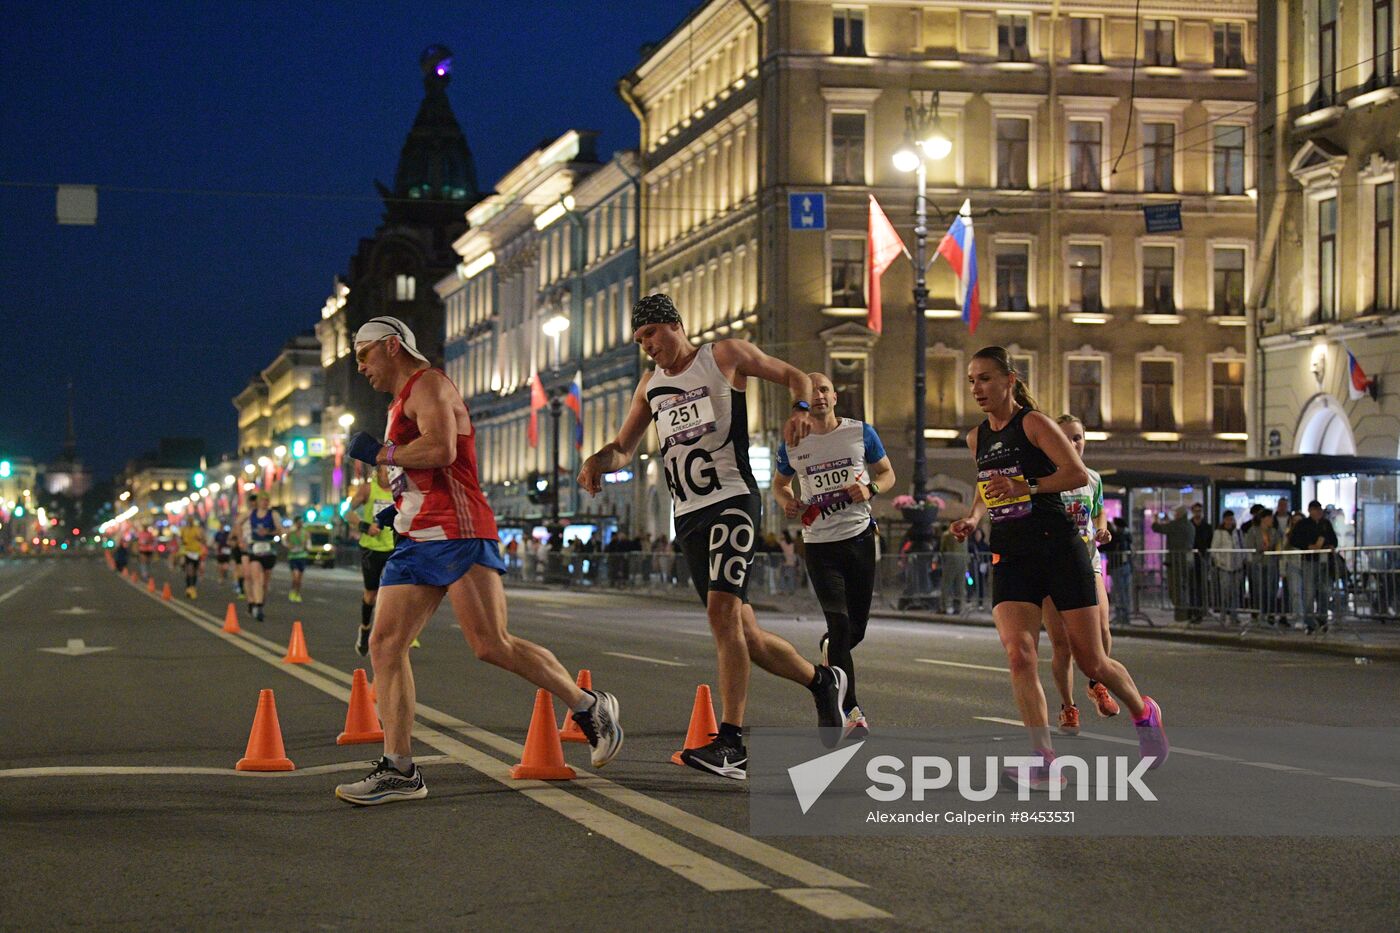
1311, 645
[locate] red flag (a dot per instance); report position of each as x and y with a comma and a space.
538, 400
883, 245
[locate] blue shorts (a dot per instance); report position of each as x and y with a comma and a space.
298, 563
439, 563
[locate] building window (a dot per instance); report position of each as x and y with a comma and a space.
1085, 155
1229, 45
848, 272
848, 374
848, 148
1086, 392
1013, 152
1228, 156
1228, 265
1385, 246
1084, 40
1326, 53
848, 31
1159, 279
1158, 379
941, 391
1086, 277
1159, 43
1227, 396
1327, 259
1013, 37
1382, 42
404, 287
1013, 274
1024, 364
1158, 157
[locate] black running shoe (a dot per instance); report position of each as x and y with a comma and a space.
362, 642
723, 756
830, 694
385, 784
602, 726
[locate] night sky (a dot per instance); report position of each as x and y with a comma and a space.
161, 312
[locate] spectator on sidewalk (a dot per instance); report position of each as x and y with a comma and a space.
1262, 538
1202, 535
1227, 556
1314, 535
788, 547
1118, 553
979, 552
1180, 534
952, 567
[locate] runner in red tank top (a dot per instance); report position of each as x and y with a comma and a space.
449, 548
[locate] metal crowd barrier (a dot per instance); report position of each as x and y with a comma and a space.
1286, 590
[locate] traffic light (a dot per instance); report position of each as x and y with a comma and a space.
5, 469
199, 481
298, 449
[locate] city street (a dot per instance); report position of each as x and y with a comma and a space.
122, 808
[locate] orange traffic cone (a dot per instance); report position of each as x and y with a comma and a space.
265, 751
165, 593
296, 648
150, 584
544, 756
571, 732
231, 621
361, 721
702, 722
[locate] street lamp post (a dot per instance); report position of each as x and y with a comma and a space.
924, 139
554, 326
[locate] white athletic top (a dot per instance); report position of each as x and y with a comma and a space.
702, 423
824, 465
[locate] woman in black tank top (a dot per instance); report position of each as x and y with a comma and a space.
1024, 462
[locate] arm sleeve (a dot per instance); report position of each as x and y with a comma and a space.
874, 450
784, 467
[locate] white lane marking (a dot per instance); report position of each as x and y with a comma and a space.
77, 648
642, 657
777, 860
557, 615
1178, 750
120, 770
694, 867
973, 667
74, 611
833, 905
13, 590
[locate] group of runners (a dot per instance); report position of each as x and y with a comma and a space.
1044, 505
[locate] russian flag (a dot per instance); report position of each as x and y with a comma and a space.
538, 400
574, 402
1358, 385
958, 248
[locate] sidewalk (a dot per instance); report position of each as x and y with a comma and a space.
1371, 641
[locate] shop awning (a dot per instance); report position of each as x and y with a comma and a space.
1151, 479
1319, 465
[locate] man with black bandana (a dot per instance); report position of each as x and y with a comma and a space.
696, 398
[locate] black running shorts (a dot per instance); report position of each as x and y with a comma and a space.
718, 543
1059, 570
372, 566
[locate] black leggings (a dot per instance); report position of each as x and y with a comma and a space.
843, 577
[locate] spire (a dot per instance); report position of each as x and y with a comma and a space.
435, 164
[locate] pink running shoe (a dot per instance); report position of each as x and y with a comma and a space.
1037, 778
1152, 737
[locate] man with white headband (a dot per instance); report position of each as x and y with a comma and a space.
449, 548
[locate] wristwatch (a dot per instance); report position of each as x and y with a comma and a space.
874, 489
1033, 485
800, 405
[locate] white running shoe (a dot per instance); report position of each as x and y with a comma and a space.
600, 723
385, 784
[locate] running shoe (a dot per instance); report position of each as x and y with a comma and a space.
1069, 720
1152, 737
1037, 777
362, 642
822, 646
415, 644
856, 726
1103, 700
293, 597
602, 727
723, 756
190, 593
830, 695
258, 612
385, 784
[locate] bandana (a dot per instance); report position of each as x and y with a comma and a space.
654, 309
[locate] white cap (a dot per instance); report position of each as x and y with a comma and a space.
377, 328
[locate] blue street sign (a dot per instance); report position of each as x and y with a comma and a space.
1162, 218
807, 211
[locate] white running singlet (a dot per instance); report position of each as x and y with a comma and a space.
823, 465
702, 423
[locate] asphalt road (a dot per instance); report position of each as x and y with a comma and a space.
119, 806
